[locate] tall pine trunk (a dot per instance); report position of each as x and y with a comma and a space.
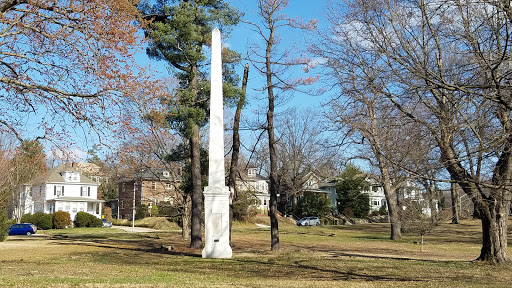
197, 193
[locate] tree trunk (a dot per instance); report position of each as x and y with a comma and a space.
274, 226
233, 170
494, 230
476, 212
394, 216
197, 193
185, 219
455, 203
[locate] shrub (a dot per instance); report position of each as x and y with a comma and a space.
141, 211
61, 219
154, 211
107, 213
4, 223
243, 207
40, 219
84, 219
27, 218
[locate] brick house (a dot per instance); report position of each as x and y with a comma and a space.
149, 187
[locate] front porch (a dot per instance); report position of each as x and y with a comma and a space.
73, 205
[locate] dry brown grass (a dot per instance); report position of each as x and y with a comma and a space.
325, 256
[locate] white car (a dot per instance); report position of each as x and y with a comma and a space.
309, 221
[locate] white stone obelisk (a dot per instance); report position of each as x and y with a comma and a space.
216, 194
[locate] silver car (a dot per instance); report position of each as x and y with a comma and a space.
309, 221
106, 223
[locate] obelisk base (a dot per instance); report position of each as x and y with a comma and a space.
216, 226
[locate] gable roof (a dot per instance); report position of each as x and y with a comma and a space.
55, 176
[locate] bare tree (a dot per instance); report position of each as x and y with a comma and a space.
301, 150
274, 67
445, 65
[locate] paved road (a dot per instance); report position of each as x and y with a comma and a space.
136, 229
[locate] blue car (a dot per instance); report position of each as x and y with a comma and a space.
22, 229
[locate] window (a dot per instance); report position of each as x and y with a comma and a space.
264, 202
153, 185
167, 185
375, 203
58, 190
166, 173
85, 191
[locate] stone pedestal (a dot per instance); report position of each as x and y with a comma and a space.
216, 214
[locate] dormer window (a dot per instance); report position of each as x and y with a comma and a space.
166, 174
71, 176
251, 172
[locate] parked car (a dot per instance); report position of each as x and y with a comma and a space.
106, 223
22, 229
309, 221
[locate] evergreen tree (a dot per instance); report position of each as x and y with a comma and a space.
313, 204
351, 200
179, 32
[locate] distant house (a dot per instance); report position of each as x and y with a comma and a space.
257, 185
408, 193
309, 183
91, 170
61, 189
149, 187
330, 189
376, 194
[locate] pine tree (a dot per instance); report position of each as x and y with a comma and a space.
179, 34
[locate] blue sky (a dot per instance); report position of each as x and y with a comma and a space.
240, 37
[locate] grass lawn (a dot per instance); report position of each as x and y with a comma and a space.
324, 256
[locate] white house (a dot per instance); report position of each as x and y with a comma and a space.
258, 186
62, 189
376, 194
409, 192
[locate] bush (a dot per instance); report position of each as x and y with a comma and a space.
84, 219
107, 213
141, 211
243, 207
154, 211
61, 220
4, 223
40, 219
26, 218
313, 204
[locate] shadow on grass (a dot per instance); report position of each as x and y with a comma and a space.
151, 244
303, 270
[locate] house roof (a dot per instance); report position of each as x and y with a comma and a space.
55, 176
151, 175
